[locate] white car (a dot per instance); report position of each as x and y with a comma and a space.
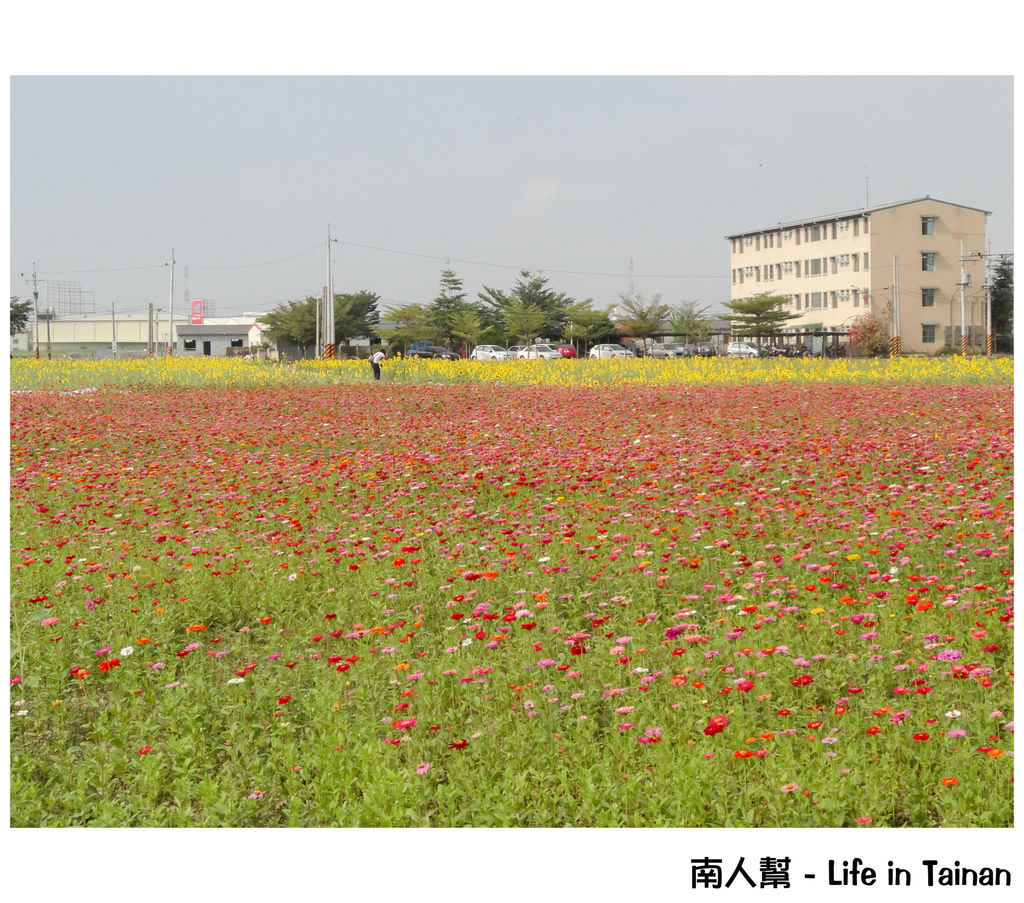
514, 352
599, 351
547, 352
741, 349
488, 353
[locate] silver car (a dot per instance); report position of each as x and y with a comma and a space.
545, 352
601, 351
668, 349
741, 349
488, 353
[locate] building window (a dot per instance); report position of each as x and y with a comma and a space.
834, 230
757, 243
815, 233
927, 333
927, 225
835, 300
856, 263
835, 264
237, 343
815, 267
814, 300
796, 301
928, 260
190, 344
856, 227
865, 260
927, 297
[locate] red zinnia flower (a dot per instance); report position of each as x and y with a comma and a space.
921, 736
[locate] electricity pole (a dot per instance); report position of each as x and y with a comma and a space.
328, 318
113, 332
170, 311
35, 304
149, 343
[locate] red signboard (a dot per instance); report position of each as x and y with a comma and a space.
197, 312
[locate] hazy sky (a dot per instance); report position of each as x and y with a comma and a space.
574, 176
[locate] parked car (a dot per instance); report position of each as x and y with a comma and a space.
667, 349
601, 351
514, 351
544, 352
705, 349
567, 350
488, 353
741, 349
435, 351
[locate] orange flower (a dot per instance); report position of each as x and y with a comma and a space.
949, 782
994, 753
402, 666
192, 628
266, 620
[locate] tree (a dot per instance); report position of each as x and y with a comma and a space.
529, 289
761, 315
412, 323
641, 318
1002, 304
293, 323
356, 314
523, 321
869, 335
20, 311
449, 305
467, 326
583, 322
690, 322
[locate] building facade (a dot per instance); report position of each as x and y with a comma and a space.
134, 335
901, 262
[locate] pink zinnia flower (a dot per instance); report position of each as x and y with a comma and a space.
423, 768
789, 788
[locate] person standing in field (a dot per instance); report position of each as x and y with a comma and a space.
375, 360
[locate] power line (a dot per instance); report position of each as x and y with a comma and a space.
249, 266
510, 266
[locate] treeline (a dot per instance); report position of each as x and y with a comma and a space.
531, 308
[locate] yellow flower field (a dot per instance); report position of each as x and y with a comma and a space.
68, 375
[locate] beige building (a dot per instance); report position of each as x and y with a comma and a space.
901, 262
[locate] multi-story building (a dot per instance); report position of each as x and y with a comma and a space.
901, 262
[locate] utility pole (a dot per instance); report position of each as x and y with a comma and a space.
170, 311
963, 285
49, 316
149, 343
113, 332
895, 343
35, 305
329, 305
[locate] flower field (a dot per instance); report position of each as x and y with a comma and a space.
571, 595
